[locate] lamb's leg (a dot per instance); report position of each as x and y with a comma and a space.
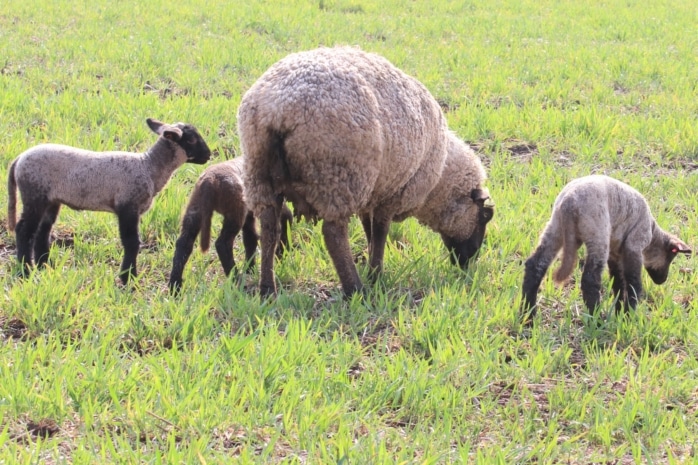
41, 241
336, 234
128, 230
376, 249
618, 283
250, 238
632, 267
594, 263
269, 224
535, 268
191, 225
26, 230
224, 244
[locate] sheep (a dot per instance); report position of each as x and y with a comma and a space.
614, 222
219, 189
339, 131
51, 175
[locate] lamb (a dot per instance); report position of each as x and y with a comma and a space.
219, 189
338, 132
51, 175
614, 222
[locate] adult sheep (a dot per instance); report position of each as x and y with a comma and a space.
338, 132
614, 222
51, 175
219, 189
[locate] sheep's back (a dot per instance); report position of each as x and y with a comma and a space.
82, 179
599, 205
356, 131
222, 184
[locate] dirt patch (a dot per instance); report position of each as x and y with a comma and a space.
521, 150
14, 329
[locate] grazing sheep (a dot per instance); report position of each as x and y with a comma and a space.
338, 132
51, 175
220, 189
615, 224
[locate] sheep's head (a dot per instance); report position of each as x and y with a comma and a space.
462, 250
660, 253
186, 136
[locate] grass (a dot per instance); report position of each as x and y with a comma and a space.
430, 366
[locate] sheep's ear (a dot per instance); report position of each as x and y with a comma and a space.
164, 129
155, 125
481, 197
679, 247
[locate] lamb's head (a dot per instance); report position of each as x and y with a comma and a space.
661, 251
459, 207
475, 216
186, 137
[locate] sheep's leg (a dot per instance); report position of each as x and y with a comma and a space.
597, 256
286, 220
41, 241
376, 249
632, 267
191, 225
128, 230
617, 283
224, 244
336, 234
269, 224
367, 225
250, 238
26, 230
536, 267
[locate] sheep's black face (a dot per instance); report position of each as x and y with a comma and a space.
194, 145
461, 252
658, 259
659, 276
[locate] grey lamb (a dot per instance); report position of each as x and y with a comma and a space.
220, 189
51, 175
338, 132
614, 222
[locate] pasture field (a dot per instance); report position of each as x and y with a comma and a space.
430, 365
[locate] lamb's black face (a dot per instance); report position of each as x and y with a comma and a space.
462, 251
194, 145
659, 275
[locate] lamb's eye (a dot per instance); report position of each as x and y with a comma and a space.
191, 140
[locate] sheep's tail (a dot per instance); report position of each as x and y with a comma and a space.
205, 241
569, 254
205, 203
11, 198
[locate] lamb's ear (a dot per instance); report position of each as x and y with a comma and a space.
164, 130
481, 197
678, 246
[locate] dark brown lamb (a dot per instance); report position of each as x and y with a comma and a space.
220, 189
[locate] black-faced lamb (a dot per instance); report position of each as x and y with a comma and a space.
614, 222
51, 175
338, 132
220, 189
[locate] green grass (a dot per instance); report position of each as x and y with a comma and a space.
430, 366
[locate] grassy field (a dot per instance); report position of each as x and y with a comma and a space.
430, 366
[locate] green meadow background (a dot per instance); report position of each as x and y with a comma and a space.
430, 365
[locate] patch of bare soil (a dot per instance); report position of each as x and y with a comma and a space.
521, 150
13, 329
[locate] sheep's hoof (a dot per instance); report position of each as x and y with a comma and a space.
266, 291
